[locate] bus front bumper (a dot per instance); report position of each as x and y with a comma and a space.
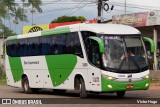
114, 86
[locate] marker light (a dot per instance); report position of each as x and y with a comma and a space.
109, 86
147, 85
145, 77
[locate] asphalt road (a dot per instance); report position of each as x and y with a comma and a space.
72, 98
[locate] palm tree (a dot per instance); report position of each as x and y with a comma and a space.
24, 5
3, 12
35, 6
8, 6
18, 14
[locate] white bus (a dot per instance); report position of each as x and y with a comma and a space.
84, 57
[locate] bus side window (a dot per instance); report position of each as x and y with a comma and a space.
73, 45
60, 44
53, 45
78, 49
22, 48
40, 46
45, 45
25, 45
48, 45
69, 44
8, 49
29, 48
35, 44
14, 49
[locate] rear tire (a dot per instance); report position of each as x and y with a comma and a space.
83, 92
120, 94
25, 86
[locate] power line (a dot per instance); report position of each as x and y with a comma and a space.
74, 7
135, 6
51, 2
61, 10
78, 9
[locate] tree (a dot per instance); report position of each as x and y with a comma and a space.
18, 14
8, 6
35, 6
5, 31
3, 11
23, 8
68, 19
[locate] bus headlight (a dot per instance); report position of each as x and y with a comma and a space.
108, 77
146, 76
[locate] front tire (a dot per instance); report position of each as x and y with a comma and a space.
120, 94
83, 92
25, 86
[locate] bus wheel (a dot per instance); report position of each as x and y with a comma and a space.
25, 85
120, 94
83, 92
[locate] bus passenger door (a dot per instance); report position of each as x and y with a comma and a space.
95, 65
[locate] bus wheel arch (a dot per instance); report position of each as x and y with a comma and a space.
22, 79
79, 84
25, 84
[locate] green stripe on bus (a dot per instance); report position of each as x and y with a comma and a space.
60, 67
56, 31
16, 68
12, 37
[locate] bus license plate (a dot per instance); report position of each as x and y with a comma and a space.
130, 86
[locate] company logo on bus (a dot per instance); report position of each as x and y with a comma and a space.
130, 76
35, 29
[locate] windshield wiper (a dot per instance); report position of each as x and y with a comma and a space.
135, 62
130, 57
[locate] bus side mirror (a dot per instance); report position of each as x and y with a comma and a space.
151, 42
100, 43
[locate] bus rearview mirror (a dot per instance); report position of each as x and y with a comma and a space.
100, 43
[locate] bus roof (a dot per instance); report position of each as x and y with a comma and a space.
108, 29
114, 29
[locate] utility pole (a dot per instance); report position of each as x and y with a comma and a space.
99, 10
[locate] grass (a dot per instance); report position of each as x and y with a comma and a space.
2, 76
3, 79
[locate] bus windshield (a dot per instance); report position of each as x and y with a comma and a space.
124, 54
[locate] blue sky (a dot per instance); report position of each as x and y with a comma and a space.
87, 8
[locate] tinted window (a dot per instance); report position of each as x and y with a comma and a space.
60, 44
23, 47
73, 45
46, 45
33, 46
